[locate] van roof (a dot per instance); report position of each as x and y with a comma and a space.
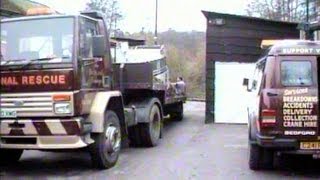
294, 47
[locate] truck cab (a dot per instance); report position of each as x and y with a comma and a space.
283, 116
56, 88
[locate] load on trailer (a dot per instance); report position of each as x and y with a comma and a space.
284, 113
60, 90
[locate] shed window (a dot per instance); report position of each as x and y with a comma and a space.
296, 73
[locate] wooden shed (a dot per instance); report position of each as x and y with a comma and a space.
234, 38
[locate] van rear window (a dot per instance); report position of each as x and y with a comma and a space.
296, 73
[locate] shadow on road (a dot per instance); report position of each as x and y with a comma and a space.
299, 166
292, 166
71, 164
36, 164
49, 164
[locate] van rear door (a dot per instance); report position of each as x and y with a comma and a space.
297, 109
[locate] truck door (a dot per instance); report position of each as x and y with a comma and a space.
91, 67
296, 97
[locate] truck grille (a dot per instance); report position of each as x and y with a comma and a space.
28, 104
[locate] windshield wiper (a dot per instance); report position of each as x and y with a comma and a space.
30, 61
11, 60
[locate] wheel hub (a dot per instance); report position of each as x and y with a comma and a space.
113, 139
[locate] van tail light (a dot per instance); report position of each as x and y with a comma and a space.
268, 118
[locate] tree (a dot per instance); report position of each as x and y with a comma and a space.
281, 10
110, 9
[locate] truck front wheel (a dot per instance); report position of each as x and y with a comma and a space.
10, 156
106, 148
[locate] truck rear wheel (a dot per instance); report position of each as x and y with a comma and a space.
177, 114
10, 156
260, 158
106, 148
147, 134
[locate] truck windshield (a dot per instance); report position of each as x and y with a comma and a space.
40, 40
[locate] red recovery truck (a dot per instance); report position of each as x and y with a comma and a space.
61, 91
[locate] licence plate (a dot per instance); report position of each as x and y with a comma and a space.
309, 145
6, 113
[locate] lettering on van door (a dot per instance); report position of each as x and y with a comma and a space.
299, 111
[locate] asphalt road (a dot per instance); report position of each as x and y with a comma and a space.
189, 150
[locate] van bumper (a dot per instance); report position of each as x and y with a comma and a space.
277, 143
285, 146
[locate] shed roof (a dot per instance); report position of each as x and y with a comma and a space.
210, 15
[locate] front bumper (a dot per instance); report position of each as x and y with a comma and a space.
71, 133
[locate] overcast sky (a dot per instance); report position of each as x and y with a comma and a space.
180, 15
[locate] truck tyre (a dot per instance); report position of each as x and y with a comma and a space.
147, 134
177, 115
260, 158
10, 156
150, 132
106, 148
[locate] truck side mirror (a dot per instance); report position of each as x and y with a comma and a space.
246, 84
98, 46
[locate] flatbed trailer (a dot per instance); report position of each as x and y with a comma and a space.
140, 73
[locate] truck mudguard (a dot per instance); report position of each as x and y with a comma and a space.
142, 109
98, 108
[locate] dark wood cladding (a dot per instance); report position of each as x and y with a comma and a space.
231, 51
237, 39
245, 33
239, 57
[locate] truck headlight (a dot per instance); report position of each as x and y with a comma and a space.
62, 108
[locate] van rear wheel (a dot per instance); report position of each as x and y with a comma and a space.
260, 158
10, 156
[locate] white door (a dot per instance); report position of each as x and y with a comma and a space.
231, 98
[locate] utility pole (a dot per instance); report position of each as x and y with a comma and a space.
309, 32
115, 17
307, 11
156, 25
